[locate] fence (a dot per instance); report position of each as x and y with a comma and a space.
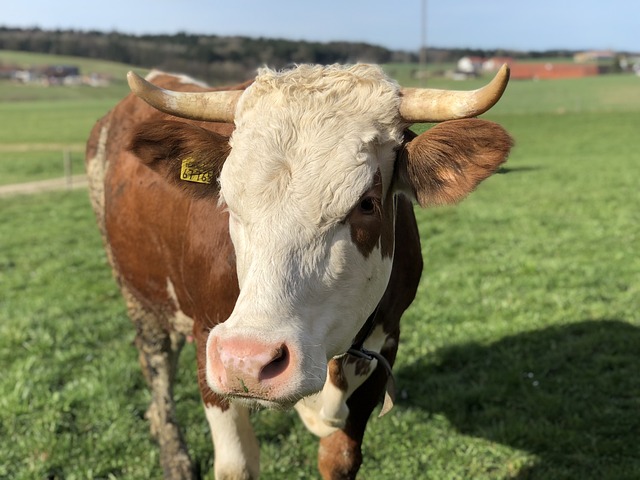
37, 167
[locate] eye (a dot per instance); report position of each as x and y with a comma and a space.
367, 206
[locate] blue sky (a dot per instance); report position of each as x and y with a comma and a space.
396, 24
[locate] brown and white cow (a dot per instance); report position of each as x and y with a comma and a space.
275, 225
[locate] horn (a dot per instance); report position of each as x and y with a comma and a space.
217, 106
423, 105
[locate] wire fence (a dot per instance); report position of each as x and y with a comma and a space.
40, 167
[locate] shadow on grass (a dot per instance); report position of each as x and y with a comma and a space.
570, 395
505, 170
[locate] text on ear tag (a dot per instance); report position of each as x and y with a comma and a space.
189, 174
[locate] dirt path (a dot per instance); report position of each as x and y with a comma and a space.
41, 147
76, 181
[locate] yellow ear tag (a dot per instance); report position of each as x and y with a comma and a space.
189, 174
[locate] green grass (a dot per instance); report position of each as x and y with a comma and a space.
518, 360
606, 93
65, 339
58, 121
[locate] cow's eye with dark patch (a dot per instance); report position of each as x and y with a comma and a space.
367, 206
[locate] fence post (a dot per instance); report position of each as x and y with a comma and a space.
66, 160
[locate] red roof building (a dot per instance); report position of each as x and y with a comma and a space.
542, 71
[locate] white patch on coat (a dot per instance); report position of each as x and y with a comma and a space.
307, 146
97, 167
327, 411
237, 452
180, 321
96, 170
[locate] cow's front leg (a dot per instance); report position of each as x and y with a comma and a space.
237, 453
236, 448
158, 353
340, 453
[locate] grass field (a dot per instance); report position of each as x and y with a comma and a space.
37, 124
519, 358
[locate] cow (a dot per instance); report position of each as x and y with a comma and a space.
273, 223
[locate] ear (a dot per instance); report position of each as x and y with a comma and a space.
164, 146
446, 163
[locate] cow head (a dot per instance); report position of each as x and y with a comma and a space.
309, 177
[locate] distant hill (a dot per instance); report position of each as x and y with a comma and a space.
212, 58
115, 71
218, 59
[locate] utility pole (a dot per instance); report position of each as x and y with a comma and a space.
423, 44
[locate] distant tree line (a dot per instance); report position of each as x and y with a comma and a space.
209, 57
216, 59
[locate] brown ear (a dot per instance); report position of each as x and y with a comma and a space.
164, 145
445, 163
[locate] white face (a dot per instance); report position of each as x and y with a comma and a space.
311, 220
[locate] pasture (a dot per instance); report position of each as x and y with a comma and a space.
39, 123
519, 358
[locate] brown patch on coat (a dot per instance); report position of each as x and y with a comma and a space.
361, 366
339, 455
372, 220
387, 232
405, 271
336, 374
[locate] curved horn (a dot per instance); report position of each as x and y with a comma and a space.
421, 105
205, 106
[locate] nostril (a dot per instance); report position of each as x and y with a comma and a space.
277, 365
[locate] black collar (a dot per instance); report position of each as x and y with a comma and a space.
357, 347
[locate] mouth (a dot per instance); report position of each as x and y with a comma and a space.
257, 403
